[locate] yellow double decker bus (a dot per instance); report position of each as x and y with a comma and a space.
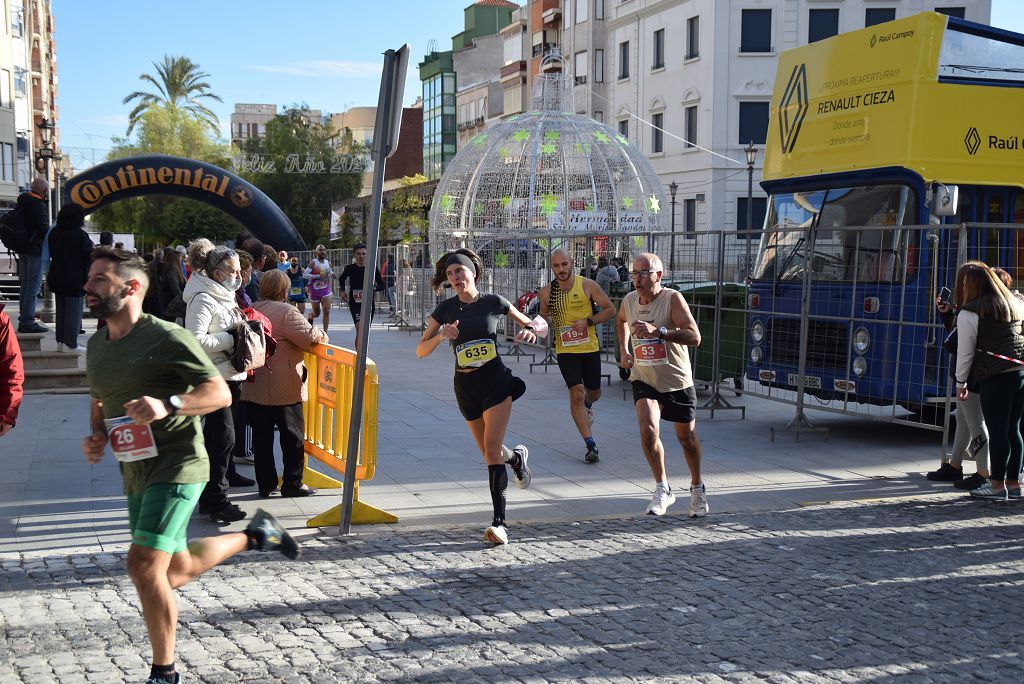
878, 139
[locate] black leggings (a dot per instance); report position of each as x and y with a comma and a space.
1002, 404
219, 435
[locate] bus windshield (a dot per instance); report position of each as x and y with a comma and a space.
841, 252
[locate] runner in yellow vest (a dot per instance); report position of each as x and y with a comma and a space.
654, 328
568, 303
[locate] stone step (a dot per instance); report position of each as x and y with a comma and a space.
30, 342
37, 360
54, 378
81, 389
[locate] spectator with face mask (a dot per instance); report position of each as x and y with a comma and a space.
212, 315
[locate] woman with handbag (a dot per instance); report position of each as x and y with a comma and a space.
990, 346
212, 316
275, 396
971, 433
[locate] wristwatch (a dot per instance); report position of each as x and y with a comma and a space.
590, 321
173, 404
662, 331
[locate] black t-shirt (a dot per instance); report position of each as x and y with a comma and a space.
476, 344
354, 275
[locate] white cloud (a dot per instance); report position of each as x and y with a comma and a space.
322, 67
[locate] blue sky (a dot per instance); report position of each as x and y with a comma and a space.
326, 53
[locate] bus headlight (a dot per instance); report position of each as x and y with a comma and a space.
755, 355
757, 332
860, 366
861, 340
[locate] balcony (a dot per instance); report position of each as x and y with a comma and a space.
513, 69
552, 67
541, 49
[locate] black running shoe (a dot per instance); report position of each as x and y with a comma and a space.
164, 680
970, 482
592, 456
271, 535
946, 473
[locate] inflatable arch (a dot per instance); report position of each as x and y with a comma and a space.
159, 174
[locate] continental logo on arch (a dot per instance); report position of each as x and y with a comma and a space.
90, 193
793, 108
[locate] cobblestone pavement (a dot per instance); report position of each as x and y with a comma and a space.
924, 590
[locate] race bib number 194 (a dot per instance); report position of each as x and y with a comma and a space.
130, 441
572, 337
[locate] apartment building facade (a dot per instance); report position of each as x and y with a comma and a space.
702, 71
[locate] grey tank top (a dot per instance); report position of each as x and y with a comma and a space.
663, 365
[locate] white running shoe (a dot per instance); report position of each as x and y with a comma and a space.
496, 534
698, 501
662, 499
68, 349
520, 470
506, 454
590, 416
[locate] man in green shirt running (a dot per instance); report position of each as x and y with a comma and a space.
150, 381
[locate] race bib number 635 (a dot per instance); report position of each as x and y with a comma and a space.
475, 353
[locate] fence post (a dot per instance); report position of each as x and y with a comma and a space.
716, 401
800, 423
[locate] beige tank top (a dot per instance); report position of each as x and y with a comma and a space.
663, 365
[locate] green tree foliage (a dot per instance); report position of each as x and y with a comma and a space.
405, 215
179, 85
300, 180
166, 219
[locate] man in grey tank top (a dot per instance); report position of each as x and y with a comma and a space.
654, 328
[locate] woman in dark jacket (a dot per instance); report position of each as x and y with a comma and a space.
172, 281
70, 255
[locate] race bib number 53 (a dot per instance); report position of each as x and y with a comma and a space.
130, 441
650, 352
475, 353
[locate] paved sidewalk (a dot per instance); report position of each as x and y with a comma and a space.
430, 473
911, 591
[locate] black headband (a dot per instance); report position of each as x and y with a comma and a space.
460, 259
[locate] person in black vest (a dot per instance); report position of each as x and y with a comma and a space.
30, 262
70, 257
990, 347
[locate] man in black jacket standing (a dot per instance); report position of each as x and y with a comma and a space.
30, 263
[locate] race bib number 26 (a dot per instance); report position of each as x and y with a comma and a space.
130, 441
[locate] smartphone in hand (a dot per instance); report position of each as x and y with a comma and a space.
944, 295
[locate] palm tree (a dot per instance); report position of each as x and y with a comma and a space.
179, 83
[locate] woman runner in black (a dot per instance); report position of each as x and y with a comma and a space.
484, 387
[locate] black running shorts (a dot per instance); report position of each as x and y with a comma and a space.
679, 406
486, 387
357, 311
581, 369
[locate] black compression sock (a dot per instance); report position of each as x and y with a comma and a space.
498, 479
254, 539
165, 672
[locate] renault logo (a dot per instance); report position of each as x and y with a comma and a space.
972, 140
793, 108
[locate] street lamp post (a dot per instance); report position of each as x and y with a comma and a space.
672, 188
751, 153
46, 154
